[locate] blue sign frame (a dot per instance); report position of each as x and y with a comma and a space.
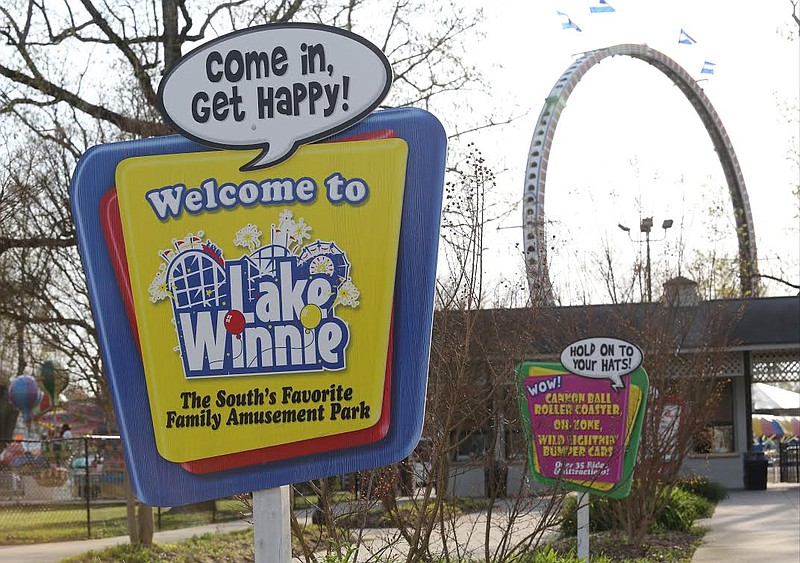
158, 482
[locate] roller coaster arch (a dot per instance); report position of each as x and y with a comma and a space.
536, 172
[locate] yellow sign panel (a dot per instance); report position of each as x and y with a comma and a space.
263, 299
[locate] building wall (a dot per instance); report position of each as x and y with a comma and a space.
466, 480
469, 480
725, 469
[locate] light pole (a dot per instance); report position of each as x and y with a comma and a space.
645, 226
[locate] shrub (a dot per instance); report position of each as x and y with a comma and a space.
682, 509
601, 515
701, 486
679, 514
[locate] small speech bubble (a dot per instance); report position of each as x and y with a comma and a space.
274, 87
602, 358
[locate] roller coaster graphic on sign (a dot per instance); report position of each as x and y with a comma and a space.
536, 170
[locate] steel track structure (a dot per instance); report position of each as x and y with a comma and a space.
534, 241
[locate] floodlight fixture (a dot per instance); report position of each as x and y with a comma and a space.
646, 226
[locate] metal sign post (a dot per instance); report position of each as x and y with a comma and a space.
583, 527
271, 525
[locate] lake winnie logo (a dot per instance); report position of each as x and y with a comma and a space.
272, 310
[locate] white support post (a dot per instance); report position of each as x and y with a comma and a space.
583, 527
271, 524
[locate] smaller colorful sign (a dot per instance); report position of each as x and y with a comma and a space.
583, 423
579, 426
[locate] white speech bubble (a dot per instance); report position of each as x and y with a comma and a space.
274, 87
602, 358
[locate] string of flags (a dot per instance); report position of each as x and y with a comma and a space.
568, 23
597, 7
601, 6
686, 39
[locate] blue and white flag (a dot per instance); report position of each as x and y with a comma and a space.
708, 67
685, 38
601, 6
568, 24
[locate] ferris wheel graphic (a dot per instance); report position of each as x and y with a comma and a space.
324, 258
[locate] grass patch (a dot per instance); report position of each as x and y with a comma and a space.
42, 524
218, 548
230, 547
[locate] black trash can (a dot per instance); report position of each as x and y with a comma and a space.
755, 471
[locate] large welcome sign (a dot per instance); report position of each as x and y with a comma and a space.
276, 274
260, 309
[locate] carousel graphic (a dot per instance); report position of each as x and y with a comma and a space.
273, 310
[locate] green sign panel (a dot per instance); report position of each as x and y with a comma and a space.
583, 422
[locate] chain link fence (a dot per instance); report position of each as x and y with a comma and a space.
66, 489
75, 488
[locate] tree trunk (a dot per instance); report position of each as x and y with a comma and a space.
130, 511
140, 523
145, 524
21, 363
172, 43
8, 415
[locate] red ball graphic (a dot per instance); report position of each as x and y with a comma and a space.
234, 322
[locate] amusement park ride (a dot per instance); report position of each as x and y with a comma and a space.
533, 215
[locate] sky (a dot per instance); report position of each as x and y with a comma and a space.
629, 145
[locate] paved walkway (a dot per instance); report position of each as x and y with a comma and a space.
753, 527
747, 527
